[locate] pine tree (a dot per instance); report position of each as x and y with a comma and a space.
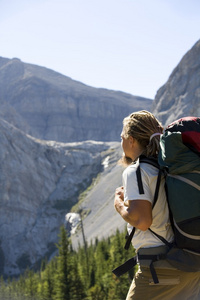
31, 285
62, 278
102, 257
119, 286
47, 283
77, 290
2, 288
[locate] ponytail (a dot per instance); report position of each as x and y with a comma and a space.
146, 129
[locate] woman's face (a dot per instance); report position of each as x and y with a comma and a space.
131, 147
126, 144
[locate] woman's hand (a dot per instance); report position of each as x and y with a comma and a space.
138, 213
119, 198
120, 192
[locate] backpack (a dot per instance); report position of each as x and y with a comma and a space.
179, 161
179, 156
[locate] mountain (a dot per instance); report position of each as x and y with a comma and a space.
51, 106
180, 96
40, 181
41, 175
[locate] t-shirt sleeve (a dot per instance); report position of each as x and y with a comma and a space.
131, 191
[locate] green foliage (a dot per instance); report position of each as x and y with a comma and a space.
75, 275
62, 277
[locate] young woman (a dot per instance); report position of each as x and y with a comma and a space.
140, 136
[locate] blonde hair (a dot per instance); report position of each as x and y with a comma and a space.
141, 125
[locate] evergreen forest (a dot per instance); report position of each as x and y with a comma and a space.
75, 275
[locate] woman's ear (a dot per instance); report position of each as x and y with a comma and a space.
131, 141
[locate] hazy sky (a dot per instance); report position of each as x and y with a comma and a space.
126, 45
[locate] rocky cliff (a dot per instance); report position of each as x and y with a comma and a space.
102, 220
180, 96
51, 106
40, 181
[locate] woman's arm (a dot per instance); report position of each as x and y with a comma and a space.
137, 213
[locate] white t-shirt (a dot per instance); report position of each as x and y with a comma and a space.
160, 224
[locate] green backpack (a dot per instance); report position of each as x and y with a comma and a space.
179, 156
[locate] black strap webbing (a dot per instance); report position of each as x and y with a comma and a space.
128, 265
153, 273
129, 238
139, 180
153, 259
157, 188
161, 238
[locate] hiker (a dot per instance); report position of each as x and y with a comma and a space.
140, 136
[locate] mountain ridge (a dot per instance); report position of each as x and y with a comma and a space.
180, 95
56, 107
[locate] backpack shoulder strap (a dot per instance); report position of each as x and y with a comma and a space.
153, 162
149, 160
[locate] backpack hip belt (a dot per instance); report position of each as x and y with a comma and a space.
145, 257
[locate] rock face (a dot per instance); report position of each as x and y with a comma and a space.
180, 96
51, 106
39, 181
102, 220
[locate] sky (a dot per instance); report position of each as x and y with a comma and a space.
127, 45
